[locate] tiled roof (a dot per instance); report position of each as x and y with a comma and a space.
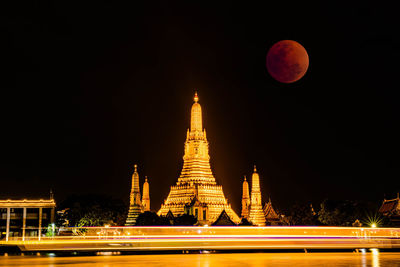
389, 206
269, 211
223, 219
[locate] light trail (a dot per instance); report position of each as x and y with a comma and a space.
211, 238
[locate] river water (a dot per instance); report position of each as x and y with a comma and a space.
373, 259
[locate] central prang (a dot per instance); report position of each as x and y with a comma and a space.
196, 191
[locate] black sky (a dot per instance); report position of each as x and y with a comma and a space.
88, 90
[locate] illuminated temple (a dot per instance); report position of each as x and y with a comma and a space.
252, 209
137, 205
196, 191
256, 214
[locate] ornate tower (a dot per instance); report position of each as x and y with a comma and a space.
196, 191
135, 207
146, 196
245, 199
256, 212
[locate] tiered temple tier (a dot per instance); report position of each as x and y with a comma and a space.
134, 211
210, 195
196, 171
135, 205
257, 216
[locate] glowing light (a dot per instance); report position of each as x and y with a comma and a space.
200, 238
375, 257
196, 178
374, 251
373, 220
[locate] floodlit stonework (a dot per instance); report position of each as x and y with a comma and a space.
256, 216
196, 191
245, 200
135, 204
146, 195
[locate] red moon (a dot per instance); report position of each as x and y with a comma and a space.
287, 61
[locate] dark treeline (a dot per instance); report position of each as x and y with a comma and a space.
91, 210
337, 213
100, 210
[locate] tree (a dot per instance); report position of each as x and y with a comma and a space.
341, 212
93, 210
149, 218
302, 215
185, 220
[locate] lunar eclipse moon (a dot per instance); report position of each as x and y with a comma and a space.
287, 61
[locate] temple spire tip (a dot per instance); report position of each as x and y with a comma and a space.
196, 98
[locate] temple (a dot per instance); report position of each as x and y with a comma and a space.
390, 209
245, 200
271, 216
135, 204
146, 195
196, 191
256, 215
252, 209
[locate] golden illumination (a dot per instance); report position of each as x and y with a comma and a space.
245, 199
196, 191
256, 216
181, 238
146, 195
135, 204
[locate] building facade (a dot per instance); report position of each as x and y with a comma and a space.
26, 218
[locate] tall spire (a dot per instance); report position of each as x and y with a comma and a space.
196, 191
255, 183
146, 196
135, 186
196, 122
256, 213
196, 159
245, 199
135, 207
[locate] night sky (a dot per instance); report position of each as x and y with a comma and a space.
88, 90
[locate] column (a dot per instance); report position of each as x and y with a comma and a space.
52, 215
40, 223
8, 224
23, 224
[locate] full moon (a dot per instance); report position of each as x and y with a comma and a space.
287, 61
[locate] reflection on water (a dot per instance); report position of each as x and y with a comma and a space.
375, 257
370, 258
